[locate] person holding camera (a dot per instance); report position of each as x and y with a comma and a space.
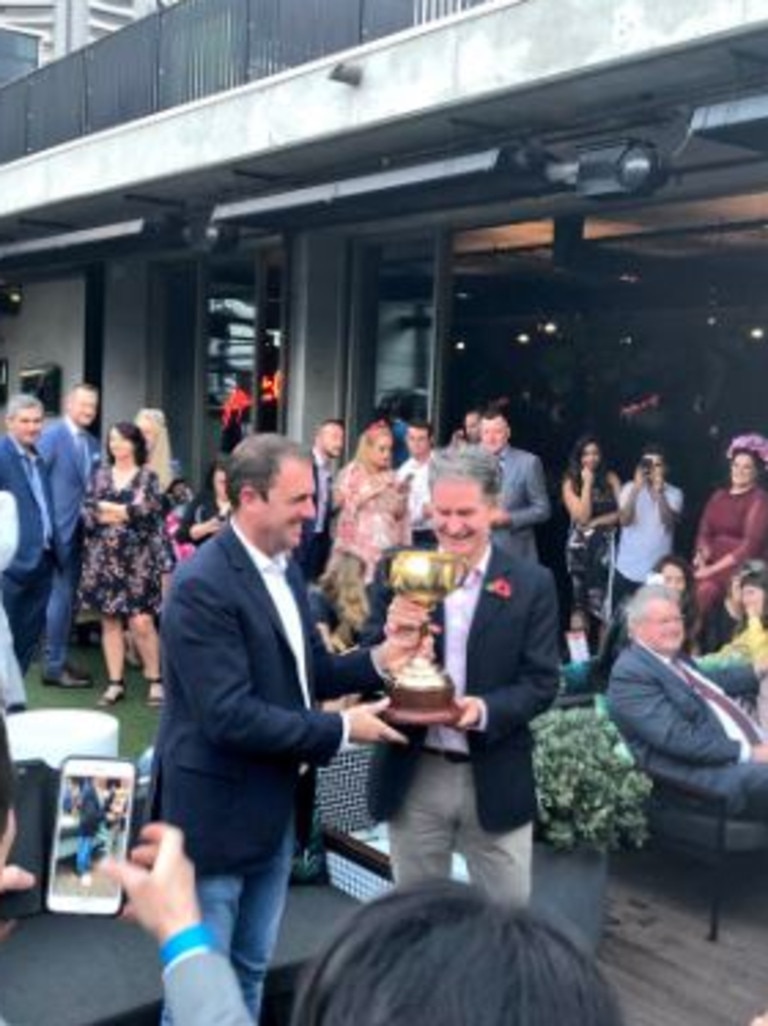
649, 507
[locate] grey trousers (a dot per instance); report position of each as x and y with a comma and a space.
439, 817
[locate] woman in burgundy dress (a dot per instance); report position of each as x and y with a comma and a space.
734, 525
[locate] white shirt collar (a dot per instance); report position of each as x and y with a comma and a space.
480, 569
263, 562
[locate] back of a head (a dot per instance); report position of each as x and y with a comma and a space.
444, 954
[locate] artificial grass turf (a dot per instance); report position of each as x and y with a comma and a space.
138, 723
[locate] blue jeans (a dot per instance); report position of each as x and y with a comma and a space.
59, 614
84, 854
243, 913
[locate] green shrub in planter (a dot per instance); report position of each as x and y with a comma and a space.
590, 795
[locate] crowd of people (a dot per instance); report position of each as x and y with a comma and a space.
281, 540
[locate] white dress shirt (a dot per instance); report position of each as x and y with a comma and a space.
272, 571
459, 609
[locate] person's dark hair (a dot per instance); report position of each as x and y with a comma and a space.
6, 778
336, 421
220, 463
443, 953
133, 435
573, 470
652, 449
419, 424
495, 411
754, 573
688, 604
256, 462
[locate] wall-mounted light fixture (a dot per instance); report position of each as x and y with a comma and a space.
347, 74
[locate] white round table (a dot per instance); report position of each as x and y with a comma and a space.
55, 734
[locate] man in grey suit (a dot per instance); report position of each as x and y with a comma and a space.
524, 501
71, 452
680, 722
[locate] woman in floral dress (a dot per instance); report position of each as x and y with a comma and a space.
124, 560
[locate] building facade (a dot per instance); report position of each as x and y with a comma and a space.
464, 210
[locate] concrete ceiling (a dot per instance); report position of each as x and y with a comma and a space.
650, 99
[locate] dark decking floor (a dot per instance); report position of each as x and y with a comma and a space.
655, 949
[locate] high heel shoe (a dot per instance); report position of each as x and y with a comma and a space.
156, 695
113, 693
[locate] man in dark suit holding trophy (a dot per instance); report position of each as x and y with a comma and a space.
468, 786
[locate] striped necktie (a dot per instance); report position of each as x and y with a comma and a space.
714, 696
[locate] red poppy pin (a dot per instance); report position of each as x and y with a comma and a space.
500, 587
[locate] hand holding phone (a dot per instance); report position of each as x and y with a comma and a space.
93, 816
159, 881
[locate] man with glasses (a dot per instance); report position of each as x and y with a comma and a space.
649, 508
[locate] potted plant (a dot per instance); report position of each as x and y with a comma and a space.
592, 801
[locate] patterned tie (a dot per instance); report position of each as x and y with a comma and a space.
714, 696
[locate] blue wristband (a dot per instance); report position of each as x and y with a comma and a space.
194, 938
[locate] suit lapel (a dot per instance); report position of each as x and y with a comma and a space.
254, 585
490, 604
297, 586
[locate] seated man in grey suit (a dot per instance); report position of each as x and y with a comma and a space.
679, 722
524, 501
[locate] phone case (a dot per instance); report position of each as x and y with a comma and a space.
36, 787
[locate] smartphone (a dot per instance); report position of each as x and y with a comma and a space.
93, 820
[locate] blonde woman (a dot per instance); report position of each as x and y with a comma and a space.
152, 424
372, 503
339, 602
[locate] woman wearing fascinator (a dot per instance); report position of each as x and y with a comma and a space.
734, 525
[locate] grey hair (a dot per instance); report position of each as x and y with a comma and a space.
257, 460
637, 607
23, 401
468, 464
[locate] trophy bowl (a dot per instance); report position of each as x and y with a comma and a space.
421, 692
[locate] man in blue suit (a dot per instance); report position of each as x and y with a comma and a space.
71, 453
679, 722
240, 732
27, 581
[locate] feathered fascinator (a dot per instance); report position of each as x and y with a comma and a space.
755, 444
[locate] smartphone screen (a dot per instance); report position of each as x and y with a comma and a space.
93, 817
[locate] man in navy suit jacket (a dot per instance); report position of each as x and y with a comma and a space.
71, 453
315, 545
243, 667
470, 788
27, 581
659, 701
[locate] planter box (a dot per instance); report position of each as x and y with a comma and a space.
569, 888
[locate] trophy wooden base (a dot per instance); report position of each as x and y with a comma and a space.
422, 706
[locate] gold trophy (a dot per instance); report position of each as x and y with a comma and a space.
421, 692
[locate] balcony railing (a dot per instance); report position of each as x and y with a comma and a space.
188, 51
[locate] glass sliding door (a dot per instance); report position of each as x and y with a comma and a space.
397, 329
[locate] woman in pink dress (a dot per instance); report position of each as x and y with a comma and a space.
373, 506
734, 524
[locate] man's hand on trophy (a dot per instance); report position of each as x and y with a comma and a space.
365, 726
474, 713
407, 634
